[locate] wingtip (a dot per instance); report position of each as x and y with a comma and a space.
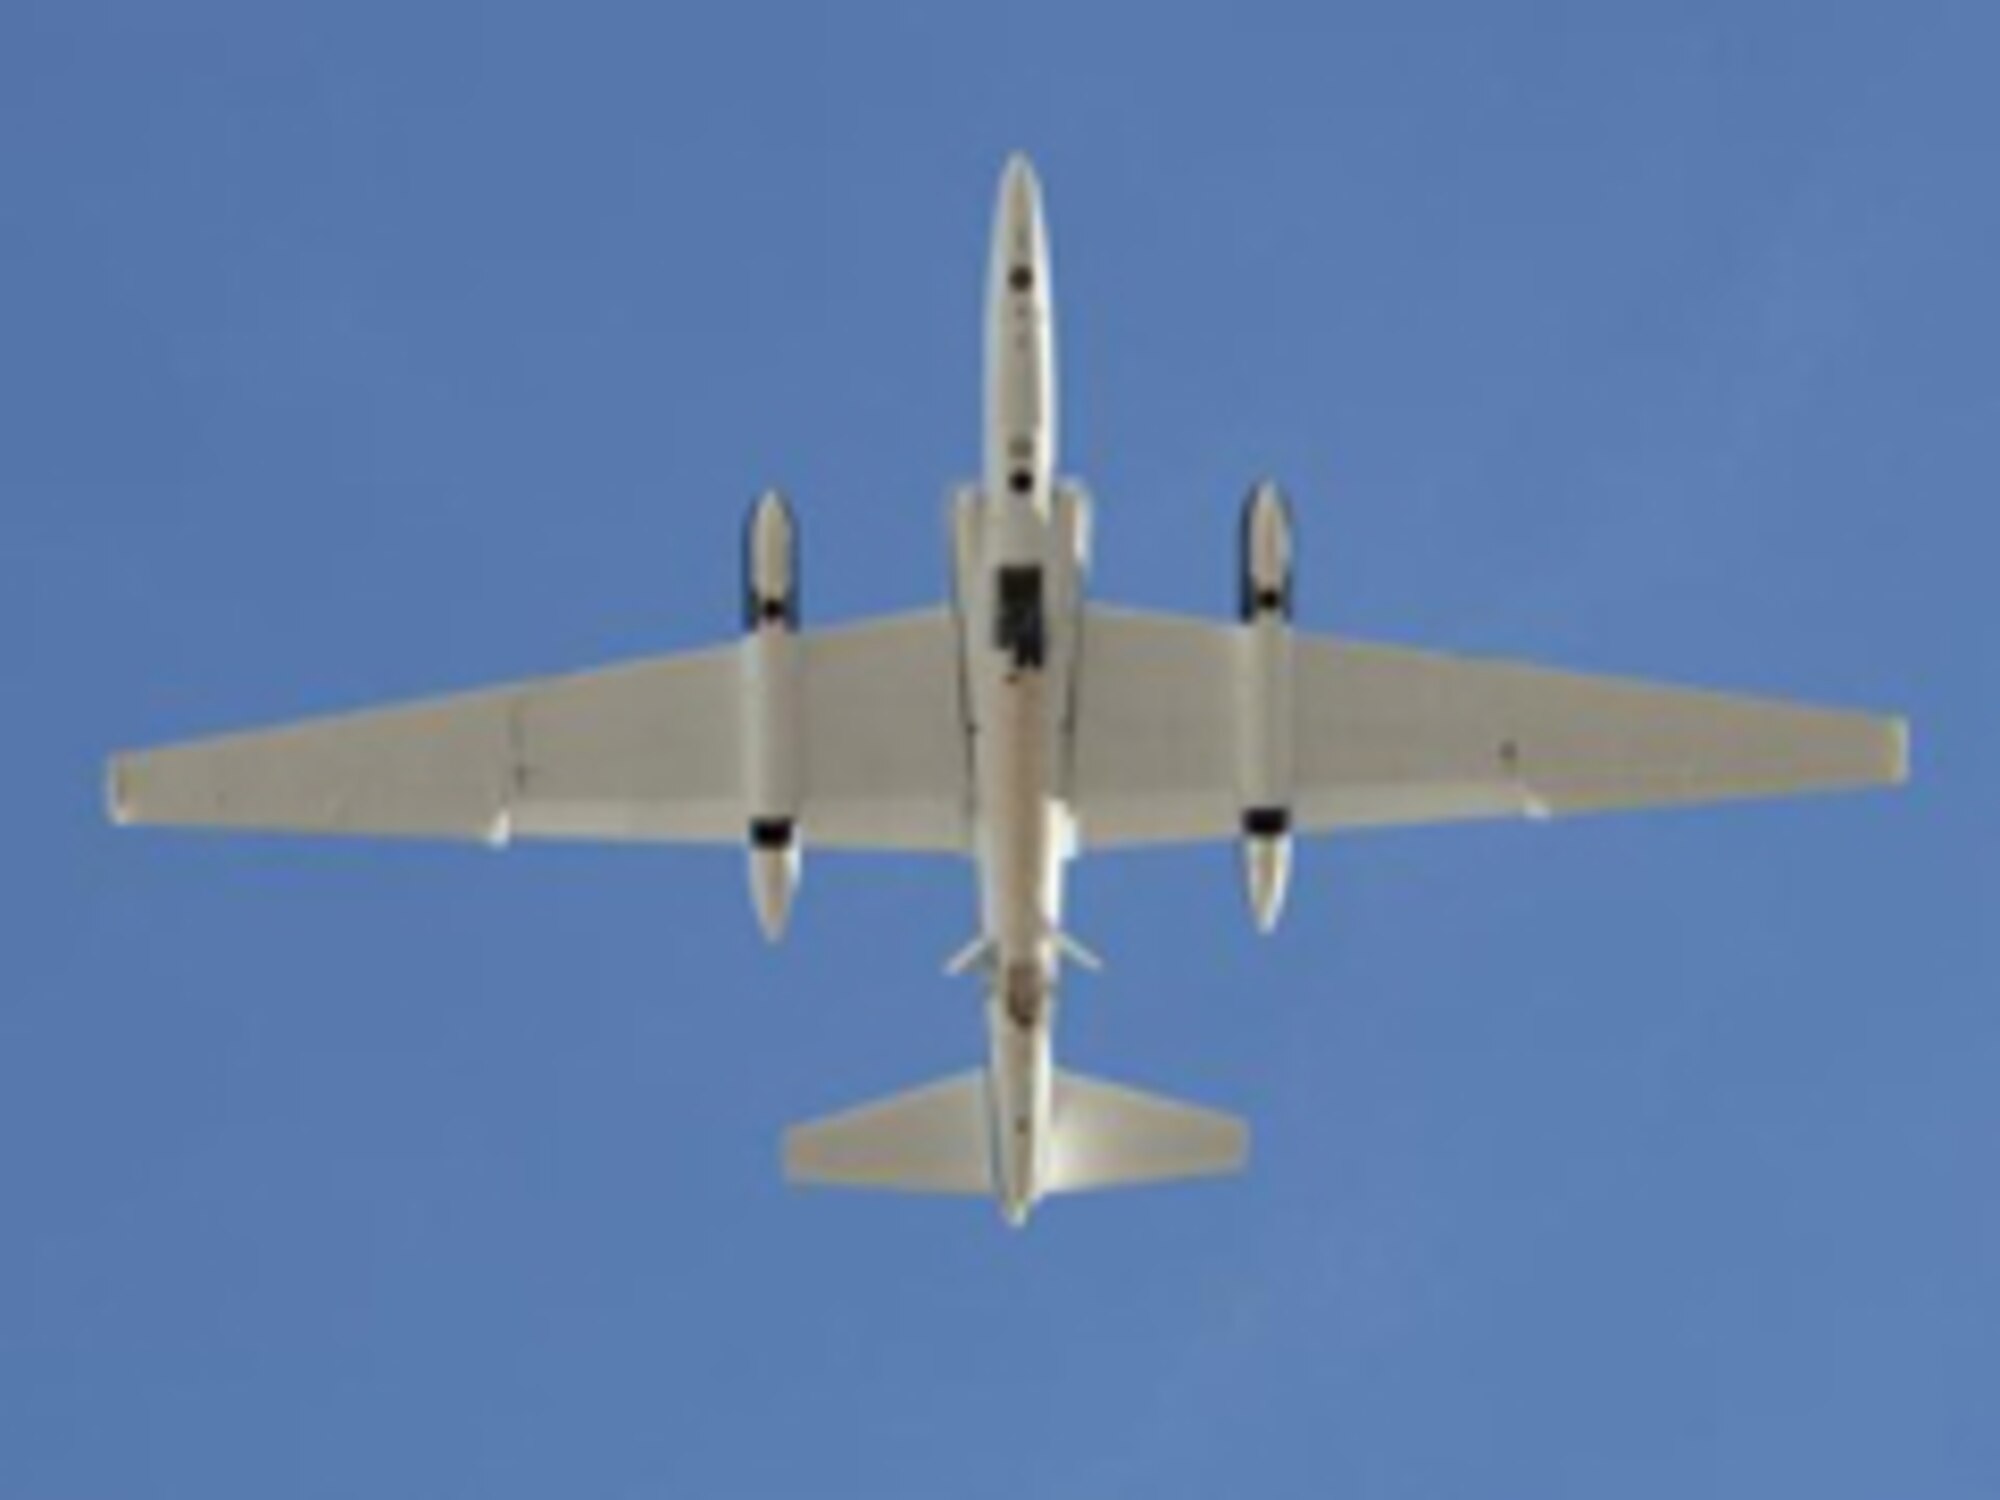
117, 795
1899, 751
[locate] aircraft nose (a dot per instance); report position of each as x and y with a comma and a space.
1020, 245
1019, 186
1021, 200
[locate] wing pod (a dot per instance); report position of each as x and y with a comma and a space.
772, 749
1264, 733
1265, 556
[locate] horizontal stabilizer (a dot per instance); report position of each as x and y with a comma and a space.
1107, 1135
935, 1139
928, 1140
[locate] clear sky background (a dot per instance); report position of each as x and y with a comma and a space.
356, 351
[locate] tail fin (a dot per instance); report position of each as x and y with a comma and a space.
1107, 1135
928, 1140
935, 1139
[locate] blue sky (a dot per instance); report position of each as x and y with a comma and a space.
349, 352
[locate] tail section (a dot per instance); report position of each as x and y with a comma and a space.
1107, 1135
935, 1139
930, 1140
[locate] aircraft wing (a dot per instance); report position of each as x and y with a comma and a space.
650, 750
1385, 735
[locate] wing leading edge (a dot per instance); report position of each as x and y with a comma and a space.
1384, 735
651, 750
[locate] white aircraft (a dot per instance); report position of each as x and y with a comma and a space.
1018, 726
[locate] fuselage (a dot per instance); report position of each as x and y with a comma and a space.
1019, 586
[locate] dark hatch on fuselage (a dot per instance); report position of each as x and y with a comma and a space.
1019, 624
